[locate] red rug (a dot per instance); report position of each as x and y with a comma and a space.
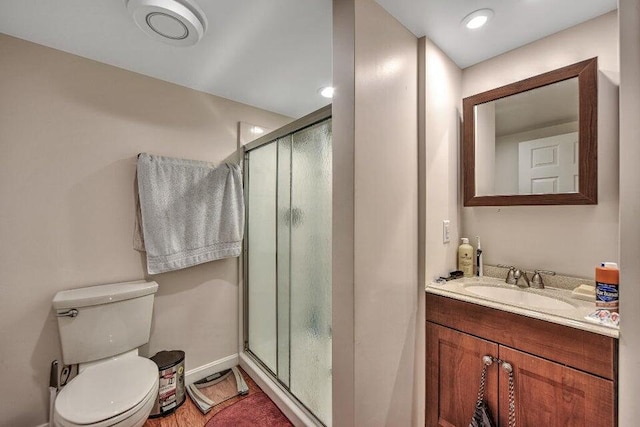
257, 410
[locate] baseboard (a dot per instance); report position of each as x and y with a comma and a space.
195, 374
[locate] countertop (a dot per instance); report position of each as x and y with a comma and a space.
574, 317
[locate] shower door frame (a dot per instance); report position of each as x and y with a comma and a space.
270, 138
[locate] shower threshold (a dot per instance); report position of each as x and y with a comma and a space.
297, 413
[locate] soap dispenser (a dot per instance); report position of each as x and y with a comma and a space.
465, 258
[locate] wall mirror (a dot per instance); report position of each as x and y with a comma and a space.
533, 142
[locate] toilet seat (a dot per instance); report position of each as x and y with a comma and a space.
109, 393
135, 417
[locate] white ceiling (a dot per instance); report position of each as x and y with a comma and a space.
275, 54
272, 54
514, 23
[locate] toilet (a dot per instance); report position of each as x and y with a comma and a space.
101, 328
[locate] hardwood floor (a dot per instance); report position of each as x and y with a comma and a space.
188, 414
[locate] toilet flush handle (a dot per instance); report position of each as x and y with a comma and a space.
69, 313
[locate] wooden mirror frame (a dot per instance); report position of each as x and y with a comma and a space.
587, 74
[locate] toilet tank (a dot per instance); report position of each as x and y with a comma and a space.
110, 320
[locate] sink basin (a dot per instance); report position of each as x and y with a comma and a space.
518, 297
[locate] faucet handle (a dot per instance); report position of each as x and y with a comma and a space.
536, 280
510, 279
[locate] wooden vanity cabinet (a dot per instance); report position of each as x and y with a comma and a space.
550, 394
455, 359
566, 385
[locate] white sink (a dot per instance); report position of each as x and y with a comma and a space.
518, 297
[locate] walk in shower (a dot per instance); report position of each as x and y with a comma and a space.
287, 259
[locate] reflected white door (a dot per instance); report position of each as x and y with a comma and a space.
549, 165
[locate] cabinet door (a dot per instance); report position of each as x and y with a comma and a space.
454, 367
553, 395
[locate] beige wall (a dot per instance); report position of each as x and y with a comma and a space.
70, 129
485, 133
375, 270
439, 116
385, 217
629, 374
568, 239
342, 278
442, 115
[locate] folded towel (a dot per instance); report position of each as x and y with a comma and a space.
188, 212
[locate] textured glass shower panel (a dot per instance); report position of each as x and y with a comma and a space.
283, 256
310, 276
261, 220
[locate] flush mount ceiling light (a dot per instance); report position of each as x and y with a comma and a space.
326, 91
177, 22
477, 19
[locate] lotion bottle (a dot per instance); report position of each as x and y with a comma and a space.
465, 258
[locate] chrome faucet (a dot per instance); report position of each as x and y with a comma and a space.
521, 274
536, 280
509, 279
514, 275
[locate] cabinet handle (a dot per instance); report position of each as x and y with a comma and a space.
486, 362
506, 366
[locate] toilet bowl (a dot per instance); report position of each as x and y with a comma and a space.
118, 392
101, 328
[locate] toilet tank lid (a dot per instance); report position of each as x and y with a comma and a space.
103, 294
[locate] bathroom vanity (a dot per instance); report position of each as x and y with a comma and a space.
564, 368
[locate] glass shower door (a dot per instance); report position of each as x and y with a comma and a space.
289, 263
310, 334
261, 268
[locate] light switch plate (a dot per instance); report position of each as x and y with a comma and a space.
446, 237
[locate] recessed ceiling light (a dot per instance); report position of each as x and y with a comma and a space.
326, 91
257, 130
477, 19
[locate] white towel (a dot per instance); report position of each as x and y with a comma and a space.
191, 212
